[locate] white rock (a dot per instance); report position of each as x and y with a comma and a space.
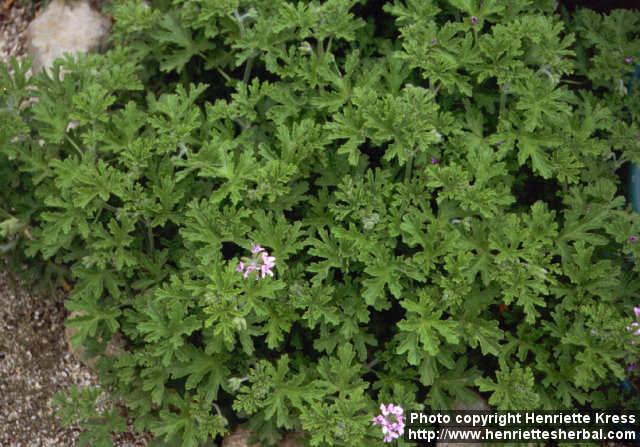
65, 27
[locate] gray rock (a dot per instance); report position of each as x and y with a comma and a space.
480, 404
240, 438
65, 27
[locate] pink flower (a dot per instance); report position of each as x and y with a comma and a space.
259, 262
250, 268
268, 262
474, 20
391, 429
634, 326
633, 238
628, 60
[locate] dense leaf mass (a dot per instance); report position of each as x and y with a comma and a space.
441, 195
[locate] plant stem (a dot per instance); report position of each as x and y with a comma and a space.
149, 236
249, 64
110, 207
407, 170
239, 19
215, 405
247, 70
224, 74
436, 89
98, 215
371, 364
329, 44
73, 143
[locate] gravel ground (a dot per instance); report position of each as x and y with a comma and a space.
14, 19
35, 363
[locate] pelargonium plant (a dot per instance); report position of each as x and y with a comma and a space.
439, 182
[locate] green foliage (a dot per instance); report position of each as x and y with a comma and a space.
80, 406
442, 199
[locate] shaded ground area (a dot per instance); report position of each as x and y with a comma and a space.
603, 6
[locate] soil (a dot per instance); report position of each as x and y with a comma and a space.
35, 364
15, 16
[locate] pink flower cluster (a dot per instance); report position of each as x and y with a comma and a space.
391, 430
260, 262
635, 326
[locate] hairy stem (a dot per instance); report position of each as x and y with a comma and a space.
407, 170
329, 44
247, 70
150, 244
224, 74
74, 144
503, 102
371, 364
